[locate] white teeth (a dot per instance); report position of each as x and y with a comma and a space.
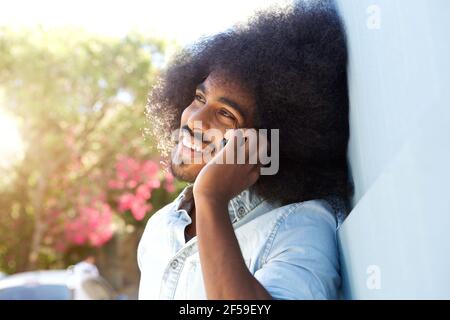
187, 143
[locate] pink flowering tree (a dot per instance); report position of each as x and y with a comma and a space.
135, 181
96, 212
87, 172
135, 185
135, 190
92, 226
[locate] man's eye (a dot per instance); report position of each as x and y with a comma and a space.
199, 98
226, 114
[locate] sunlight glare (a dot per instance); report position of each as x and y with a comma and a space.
11, 145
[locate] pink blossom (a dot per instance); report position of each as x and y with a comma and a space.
78, 239
153, 184
143, 192
149, 169
125, 167
132, 184
170, 187
139, 209
168, 177
169, 182
75, 233
125, 201
138, 179
92, 225
99, 238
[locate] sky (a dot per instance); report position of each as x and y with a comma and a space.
183, 21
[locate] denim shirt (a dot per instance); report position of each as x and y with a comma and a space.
291, 250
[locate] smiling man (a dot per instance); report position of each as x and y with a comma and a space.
234, 233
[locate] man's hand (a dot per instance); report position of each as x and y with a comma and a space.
223, 178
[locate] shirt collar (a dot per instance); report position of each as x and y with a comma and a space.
238, 207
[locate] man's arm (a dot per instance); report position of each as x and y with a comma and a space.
225, 274
224, 271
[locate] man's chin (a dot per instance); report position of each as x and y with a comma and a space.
185, 172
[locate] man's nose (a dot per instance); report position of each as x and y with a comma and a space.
200, 120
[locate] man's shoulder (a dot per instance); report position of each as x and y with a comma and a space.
155, 224
290, 217
162, 213
159, 218
295, 213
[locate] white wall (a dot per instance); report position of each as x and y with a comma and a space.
396, 241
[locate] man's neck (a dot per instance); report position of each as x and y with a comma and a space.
190, 230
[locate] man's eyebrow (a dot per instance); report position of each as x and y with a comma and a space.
201, 87
226, 101
233, 105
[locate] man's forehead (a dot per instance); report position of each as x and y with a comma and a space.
225, 85
219, 82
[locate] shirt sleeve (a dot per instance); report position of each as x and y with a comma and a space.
303, 261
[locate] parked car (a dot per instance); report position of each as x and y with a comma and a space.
56, 285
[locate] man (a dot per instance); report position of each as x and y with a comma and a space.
234, 233
87, 266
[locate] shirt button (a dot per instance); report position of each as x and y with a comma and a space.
174, 264
241, 212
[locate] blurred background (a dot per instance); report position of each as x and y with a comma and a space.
78, 176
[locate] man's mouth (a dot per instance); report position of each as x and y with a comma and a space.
187, 142
195, 144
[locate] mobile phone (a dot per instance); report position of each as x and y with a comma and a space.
223, 143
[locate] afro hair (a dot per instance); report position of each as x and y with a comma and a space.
294, 59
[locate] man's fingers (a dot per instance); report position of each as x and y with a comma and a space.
244, 146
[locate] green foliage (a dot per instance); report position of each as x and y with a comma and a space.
79, 100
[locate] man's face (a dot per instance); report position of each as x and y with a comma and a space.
219, 104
